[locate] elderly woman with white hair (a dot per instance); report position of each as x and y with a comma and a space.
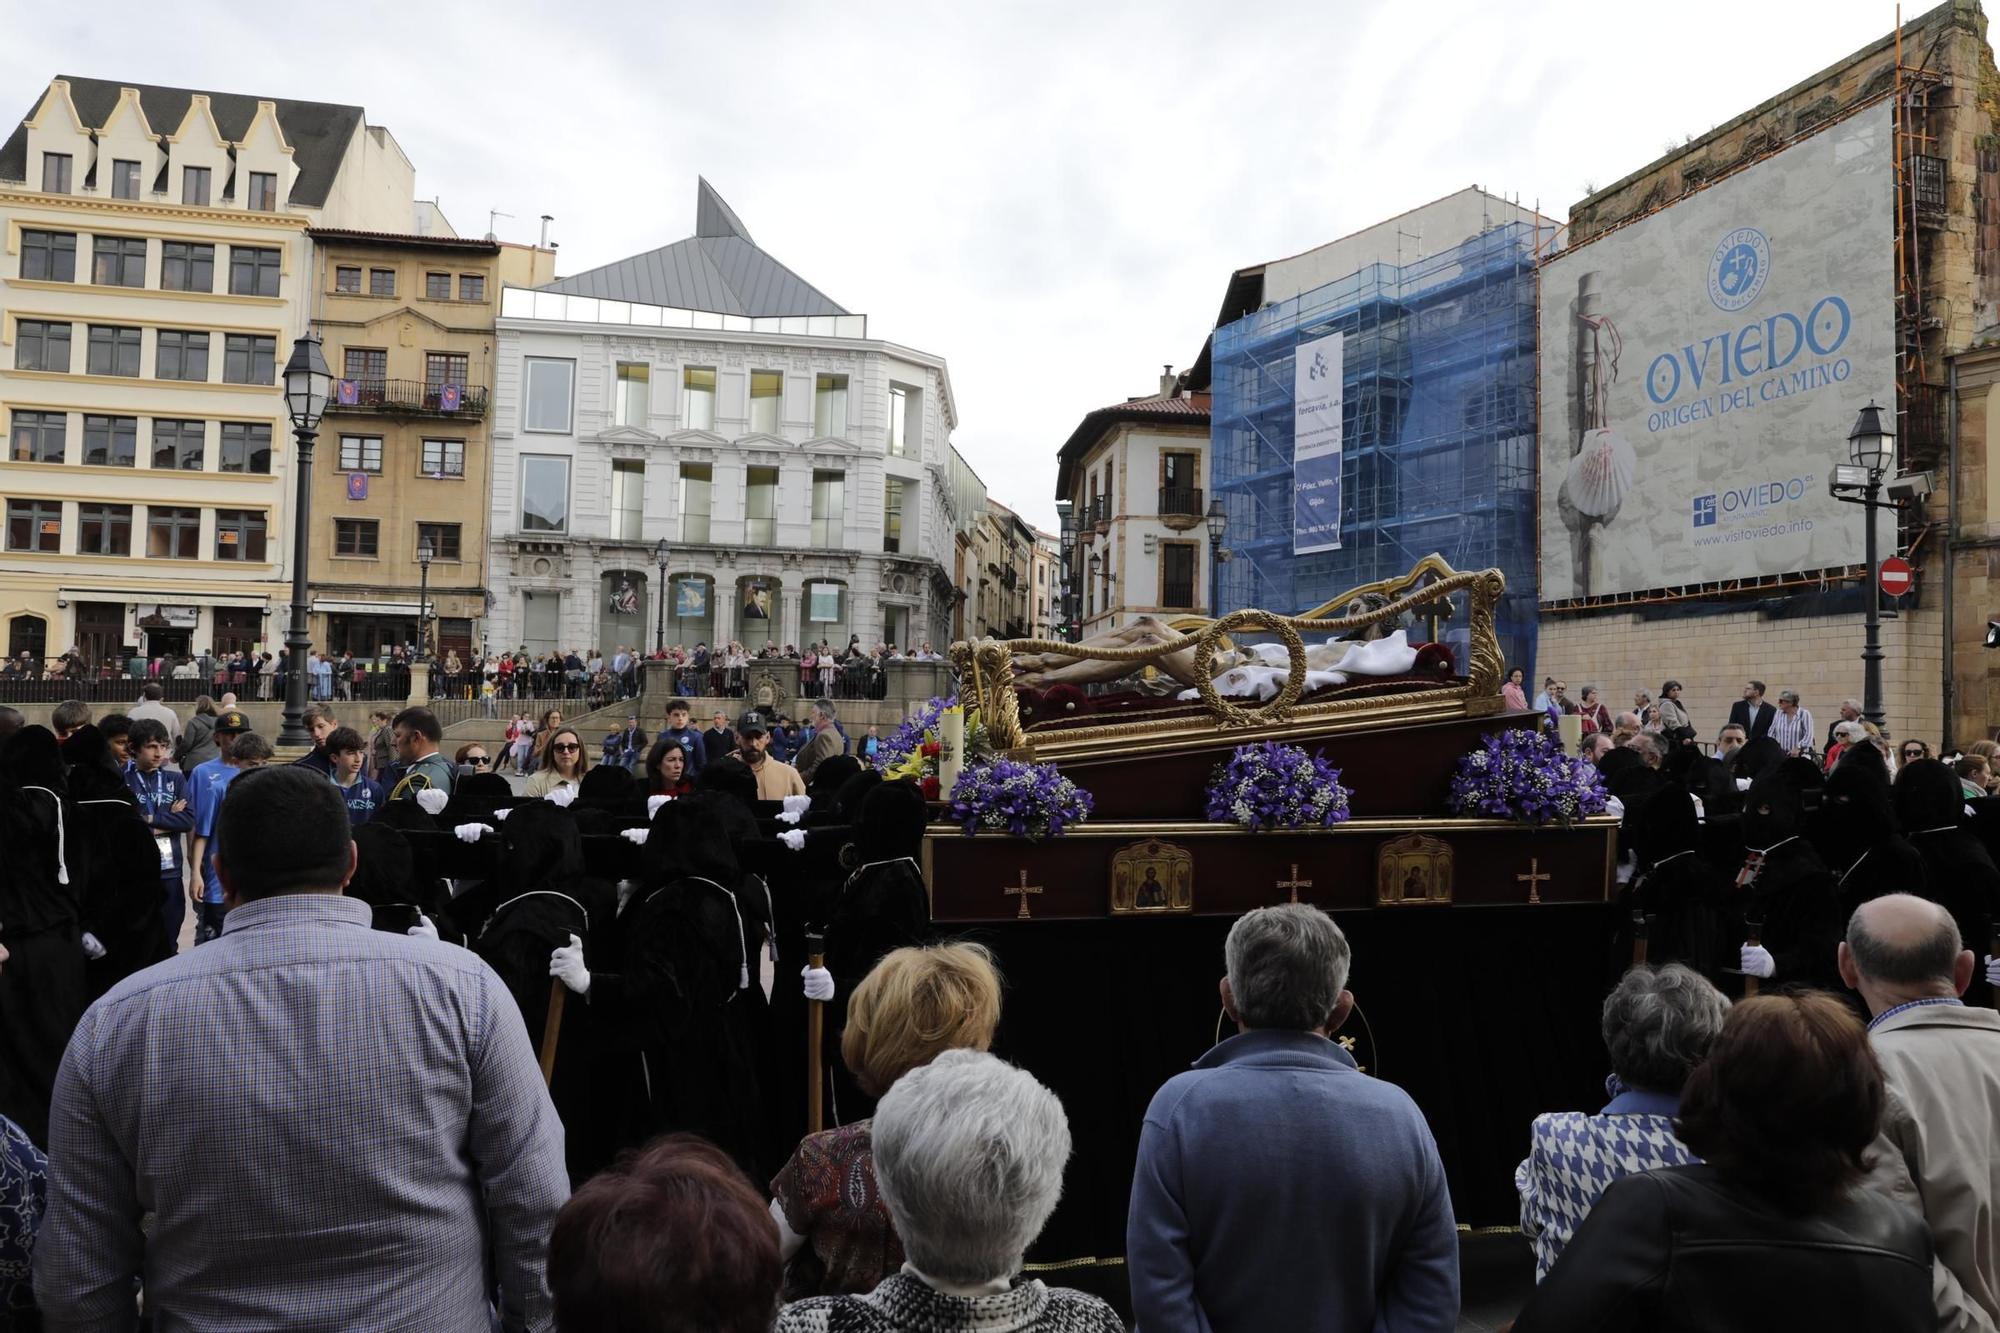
969, 1156
1658, 1025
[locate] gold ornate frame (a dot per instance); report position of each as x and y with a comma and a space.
988, 666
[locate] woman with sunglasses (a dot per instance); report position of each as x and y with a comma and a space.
666, 769
473, 755
566, 764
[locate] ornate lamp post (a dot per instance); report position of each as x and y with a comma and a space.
1869, 447
1066, 528
424, 555
1218, 526
308, 383
660, 553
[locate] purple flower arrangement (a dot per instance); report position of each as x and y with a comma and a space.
1269, 785
919, 727
1028, 800
1525, 776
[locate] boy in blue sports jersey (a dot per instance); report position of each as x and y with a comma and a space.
248, 751
163, 803
363, 795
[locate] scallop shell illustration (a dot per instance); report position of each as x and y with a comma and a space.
1601, 473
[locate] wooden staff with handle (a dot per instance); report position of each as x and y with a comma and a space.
1753, 932
815, 1037
551, 1030
1641, 923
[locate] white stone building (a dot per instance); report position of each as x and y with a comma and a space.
798, 469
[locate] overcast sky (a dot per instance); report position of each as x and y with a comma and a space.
1050, 195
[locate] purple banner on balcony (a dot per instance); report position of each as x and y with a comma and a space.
347, 393
448, 396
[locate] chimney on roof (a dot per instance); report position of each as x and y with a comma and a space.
547, 218
1168, 384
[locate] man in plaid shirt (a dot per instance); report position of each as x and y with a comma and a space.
331, 1126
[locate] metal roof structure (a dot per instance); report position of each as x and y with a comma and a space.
718, 269
319, 132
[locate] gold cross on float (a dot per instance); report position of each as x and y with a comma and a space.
1021, 891
1534, 879
1295, 883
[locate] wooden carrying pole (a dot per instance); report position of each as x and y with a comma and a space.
1753, 932
815, 1037
552, 1030
1640, 924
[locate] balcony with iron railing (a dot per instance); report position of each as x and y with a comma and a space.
1181, 507
448, 400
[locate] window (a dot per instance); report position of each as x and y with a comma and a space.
40, 345
49, 256
443, 538
696, 486
249, 358
544, 493
830, 406
180, 446
370, 365
767, 395
110, 441
760, 506
346, 278
118, 261
628, 499
239, 534
437, 286
442, 368
124, 180
549, 384
186, 267
27, 635
263, 192
194, 185
634, 401
113, 350
1177, 575
55, 173
38, 437
357, 537
892, 514
182, 355
173, 534
246, 447
361, 453
104, 529
828, 511
472, 287
1178, 479
698, 398
253, 271
444, 458
34, 525
899, 411
381, 282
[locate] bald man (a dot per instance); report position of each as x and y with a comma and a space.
1939, 1149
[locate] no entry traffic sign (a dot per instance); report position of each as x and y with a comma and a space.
1897, 576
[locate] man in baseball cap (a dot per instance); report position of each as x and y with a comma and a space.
775, 779
229, 724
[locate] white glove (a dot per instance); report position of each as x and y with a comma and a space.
788, 816
432, 800
562, 796
1757, 961
653, 804
819, 984
1992, 970
425, 929
794, 839
798, 804
1743, 784
566, 966
636, 836
92, 948
1614, 807
472, 832
503, 812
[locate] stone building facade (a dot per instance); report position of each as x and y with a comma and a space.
1950, 92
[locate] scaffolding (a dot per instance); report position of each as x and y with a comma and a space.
1437, 429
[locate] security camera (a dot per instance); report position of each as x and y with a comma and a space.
1909, 486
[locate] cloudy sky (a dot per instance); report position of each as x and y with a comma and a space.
1050, 195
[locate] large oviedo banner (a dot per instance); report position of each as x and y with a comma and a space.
1701, 368
1316, 446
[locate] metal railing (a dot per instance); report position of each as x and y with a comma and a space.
415, 398
1181, 501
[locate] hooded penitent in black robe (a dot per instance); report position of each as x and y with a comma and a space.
1684, 897
1930, 805
42, 986
1856, 835
683, 1002
116, 863
1793, 896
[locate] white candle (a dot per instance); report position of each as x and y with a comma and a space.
951, 750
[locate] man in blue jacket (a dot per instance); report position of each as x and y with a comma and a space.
1277, 1186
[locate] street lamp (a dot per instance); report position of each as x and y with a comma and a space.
660, 553
1218, 525
308, 384
1869, 447
1066, 530
424, 554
